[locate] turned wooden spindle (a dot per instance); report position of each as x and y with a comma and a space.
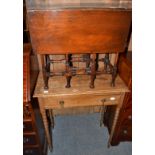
114, 70
69, 64
106, 62
93, 70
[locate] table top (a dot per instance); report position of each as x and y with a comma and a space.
79, 86
76, 4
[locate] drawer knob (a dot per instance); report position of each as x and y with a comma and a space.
61, 103
125, 131
129, 117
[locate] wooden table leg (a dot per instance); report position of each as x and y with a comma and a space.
69, 64
45, 78
93, 71
115, 119
103, 109
114, 70
113, 126
46, 126
51, 118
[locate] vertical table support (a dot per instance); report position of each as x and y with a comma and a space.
45, 121
51, 118
68, 70
114, 70
45, 78
93, 70
115, 119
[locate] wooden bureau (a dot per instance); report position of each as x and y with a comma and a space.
123, 131
32, 144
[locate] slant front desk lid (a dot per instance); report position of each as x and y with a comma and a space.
62, 4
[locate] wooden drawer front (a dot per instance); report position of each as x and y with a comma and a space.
127, 121
31, 151
27, 111
27, 126
127, 102
29, 140
82, 100
126, 116
125, 70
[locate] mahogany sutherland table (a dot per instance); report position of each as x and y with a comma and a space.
78, 27
79, 95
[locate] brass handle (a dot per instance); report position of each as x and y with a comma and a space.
61, 103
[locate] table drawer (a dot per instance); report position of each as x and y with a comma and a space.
29, 140
81, 100
27, 126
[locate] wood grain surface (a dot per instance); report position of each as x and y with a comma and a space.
80, 85
79, 31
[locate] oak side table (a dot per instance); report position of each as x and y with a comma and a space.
79, 95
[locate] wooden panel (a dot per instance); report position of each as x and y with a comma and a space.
126, 133
125, 70
27, 126
79, 31
123, 131
26, 72
29, 140
31, 136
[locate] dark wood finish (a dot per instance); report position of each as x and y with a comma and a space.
123, 131
78, 27
31, 138
27, 126
71, 68
26, 73
79, 31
